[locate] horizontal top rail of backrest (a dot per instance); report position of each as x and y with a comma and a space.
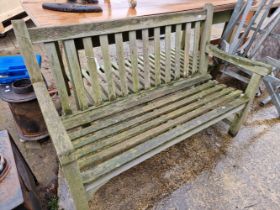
49, 34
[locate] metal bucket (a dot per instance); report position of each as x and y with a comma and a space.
25, 109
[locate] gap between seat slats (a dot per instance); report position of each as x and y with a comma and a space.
117, 134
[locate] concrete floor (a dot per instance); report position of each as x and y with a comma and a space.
210, 170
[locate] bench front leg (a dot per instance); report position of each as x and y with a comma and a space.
258, 70
250, 93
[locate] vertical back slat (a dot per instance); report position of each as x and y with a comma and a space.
157, 55
134, 60
147, 76
107, 66
196, 45
92, 69
121, 63
206, 34
76, 74
167, 54
57, 68
187, 49
177, 50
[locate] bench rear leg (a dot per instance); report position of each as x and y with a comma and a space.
250, 93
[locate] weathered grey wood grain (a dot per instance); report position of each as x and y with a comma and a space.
92, 68
57, 69
143, 132
133, 112
187, 49
157, 55
134, 61
91, 186
146, 66
121, 62
177, 50
131, 124
196, 46
48, 34
92, 114
253, 66
168, 54
76, 74
205, 38
63, 146
91, 175
108, 66
26, 49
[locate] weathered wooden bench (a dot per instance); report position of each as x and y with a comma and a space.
137, 106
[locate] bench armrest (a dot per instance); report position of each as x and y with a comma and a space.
57, 132
256, 67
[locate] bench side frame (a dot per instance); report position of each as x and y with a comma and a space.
58, 134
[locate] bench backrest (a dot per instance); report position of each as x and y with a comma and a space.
88, 51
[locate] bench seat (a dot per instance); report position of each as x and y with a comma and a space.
156, 121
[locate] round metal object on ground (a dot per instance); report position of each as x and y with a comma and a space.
25, 109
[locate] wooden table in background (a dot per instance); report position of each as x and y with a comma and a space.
116, 9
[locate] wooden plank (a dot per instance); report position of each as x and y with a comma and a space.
63, 146
139, 110
205, 38
146, 65
107, 66
196, 46
187, 49
26, 50
91, 186
92, 114
245, 63
92, 69
149, 129
167, 54
117, 161
129, 67
157, 55
177, 50
121, 63
76, 74
133, 59
57, 69
45, 34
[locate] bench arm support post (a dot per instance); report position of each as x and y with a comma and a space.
258, 70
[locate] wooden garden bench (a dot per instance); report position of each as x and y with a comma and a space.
138, 105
